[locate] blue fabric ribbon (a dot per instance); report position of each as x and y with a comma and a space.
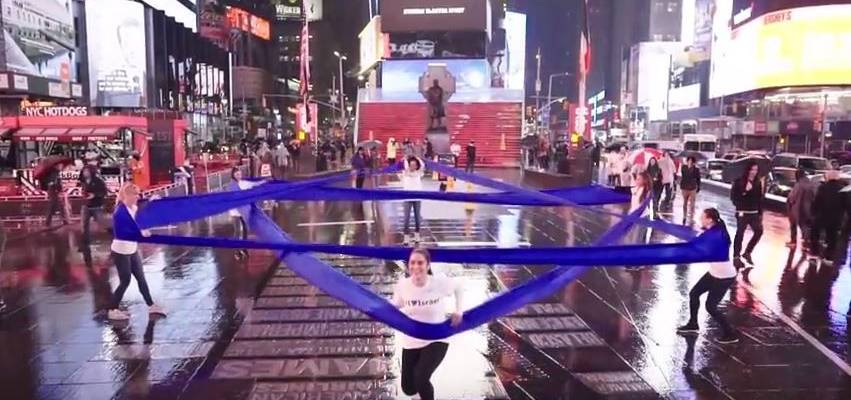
712, 245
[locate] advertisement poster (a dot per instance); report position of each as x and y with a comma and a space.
433, 15
404, 75
116, 31
515, 40
437, 45
39, 37
704, 11
213, 23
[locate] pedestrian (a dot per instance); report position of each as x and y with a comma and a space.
654, 171
125, 253
341, 147
828, 216
690, 187
240, 225
471, 157
747, 195
419, 295
624, 169
612, 159
429, 150
408, 148
282, 158
595, 154
94, 191
359, 167
391, 151
137, 169
295, 155
52, 182
799, 208
455, 149
666, 163
716, 282
419, 150
640, 191
412, 179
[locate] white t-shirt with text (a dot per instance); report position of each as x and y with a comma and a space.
426, 303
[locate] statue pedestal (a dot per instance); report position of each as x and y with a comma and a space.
439, 138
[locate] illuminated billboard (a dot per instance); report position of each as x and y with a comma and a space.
434, 15
796, 47
404, 75
117, 58
242, 20
39, 38
515, 41
371, 44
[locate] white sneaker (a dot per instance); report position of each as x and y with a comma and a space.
118, 315
156, 310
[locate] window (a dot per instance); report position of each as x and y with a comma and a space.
673, 7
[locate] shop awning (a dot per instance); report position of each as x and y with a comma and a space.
67, 135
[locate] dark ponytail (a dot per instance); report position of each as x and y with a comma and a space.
713, 214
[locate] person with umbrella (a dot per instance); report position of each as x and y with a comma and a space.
654, 171
359, 167
747, 195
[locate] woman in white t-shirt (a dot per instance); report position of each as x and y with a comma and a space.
420, 296
716, 281
412, 179
127, 260
237, 183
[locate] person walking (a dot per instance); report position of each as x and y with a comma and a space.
455, 149
412, 179
747, 196
419, 295
282, 159
471, 157
666, 163
391, 151
240, 225
408, 148
125, 254
689, 187
359, 167
828, 209
94, 191
799, 208
655, 172
716, 282
53, 185
429, 150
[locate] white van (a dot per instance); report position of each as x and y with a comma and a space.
705, 144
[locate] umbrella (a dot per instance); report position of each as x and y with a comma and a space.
640, 157
736, 169
685, 154
46, 164
370, 144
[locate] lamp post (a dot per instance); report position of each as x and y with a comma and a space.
340, 58
538, 89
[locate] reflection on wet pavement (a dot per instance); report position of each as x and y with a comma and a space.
243, 329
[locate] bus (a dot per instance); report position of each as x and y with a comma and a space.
705, 144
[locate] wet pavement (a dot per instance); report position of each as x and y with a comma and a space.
246, 329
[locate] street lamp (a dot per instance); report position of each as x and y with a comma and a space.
550, 92
340, 58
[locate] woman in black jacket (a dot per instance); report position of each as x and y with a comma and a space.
747, 194
655, 173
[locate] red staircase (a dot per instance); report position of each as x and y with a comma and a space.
495, 127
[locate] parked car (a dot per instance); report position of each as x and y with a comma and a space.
780, 181
810, 164
715, 169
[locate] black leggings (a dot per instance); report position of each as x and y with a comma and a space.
753, 220
716, 288
128, 264
417, 367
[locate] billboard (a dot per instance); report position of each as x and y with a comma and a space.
245, 21
437, 44
797, 47
434, 15
704, 12
371, 44
515, 43
213, 24
745, 11
39, 37
404, 75
684, 97
117, 58
177, 10
296, 9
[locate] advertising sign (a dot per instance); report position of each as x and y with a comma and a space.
242, 20
55, 111
745, 11
798, 47
404, 75
437, 45
117, 61
213, 23
434, 15
704, 11
177, 10
39, 38
684, 98
371, 44
515, 42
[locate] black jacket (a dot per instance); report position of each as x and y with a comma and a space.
97, 187
689, 178
471, 152
747, 200
828, 204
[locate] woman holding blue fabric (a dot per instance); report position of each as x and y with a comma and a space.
420, 296
237, 183
127, 260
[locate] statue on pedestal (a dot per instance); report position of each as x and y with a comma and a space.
437, 85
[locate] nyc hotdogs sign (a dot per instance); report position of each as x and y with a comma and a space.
55, 111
